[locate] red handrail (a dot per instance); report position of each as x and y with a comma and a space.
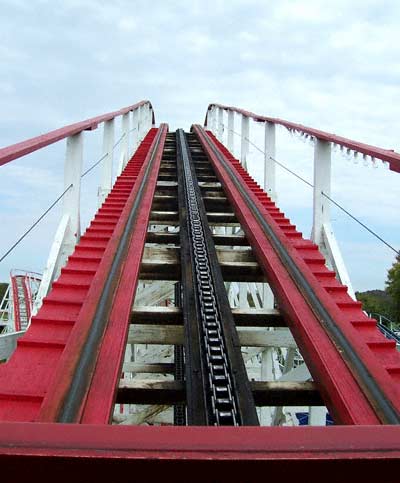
23, 148
387, 155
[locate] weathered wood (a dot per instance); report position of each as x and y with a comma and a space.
230, 240
242, 317
135, 391
258, 318
163, 263
148, 391
277, 393
162, 237
136, 367
173, 335
158, 315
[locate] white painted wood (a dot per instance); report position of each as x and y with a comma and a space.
322, 184
220, 128
299, 373
124, 155
267, 374
106, 165
269, 164
58, 255
69, 231
8, 344
231, 127
335, 257
317, 416
245, 136
135, 127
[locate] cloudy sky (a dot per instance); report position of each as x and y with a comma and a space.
331, 65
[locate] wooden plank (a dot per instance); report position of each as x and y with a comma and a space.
161, 368
242, 317
161, 237
173, 335
148, 391
159, 315
258, 318
275, 393
163, 263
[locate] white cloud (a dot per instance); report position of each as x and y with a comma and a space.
331, 65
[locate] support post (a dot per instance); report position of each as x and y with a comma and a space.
220, 129
267, 374
69, 230
244, 147
322, 184
322, 231
231, 124
269, 164
72, 176
124, 157
106, 166
213, 120
135, 127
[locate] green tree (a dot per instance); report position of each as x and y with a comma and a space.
393, 288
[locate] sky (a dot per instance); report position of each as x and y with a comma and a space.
330, 65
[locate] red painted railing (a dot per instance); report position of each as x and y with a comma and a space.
387, 155
23, 148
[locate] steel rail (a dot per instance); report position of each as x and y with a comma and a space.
64, 401
384, 408
388, 155
31, 145
215, 369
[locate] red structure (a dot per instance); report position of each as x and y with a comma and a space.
67, 367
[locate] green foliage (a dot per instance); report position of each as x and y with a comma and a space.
393, 288
3, 288
376, 301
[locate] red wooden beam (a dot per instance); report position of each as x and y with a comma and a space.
387, 155
110, 453
99, 404
80, 334
23, 148
339, 381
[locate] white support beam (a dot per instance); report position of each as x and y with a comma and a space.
106, 165
335, 257
244, 147
213, 120
124, 157
135, 127
69, 231
322, 231
317, 416
269, 164
220, 129
322, 184
231, 127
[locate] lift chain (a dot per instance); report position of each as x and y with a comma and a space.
223, 406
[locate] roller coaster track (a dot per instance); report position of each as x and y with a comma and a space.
68, 366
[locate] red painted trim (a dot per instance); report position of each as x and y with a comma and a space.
65, 371
387, 155
23, 148
17, 317
103, 390
335, 378
306, 454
